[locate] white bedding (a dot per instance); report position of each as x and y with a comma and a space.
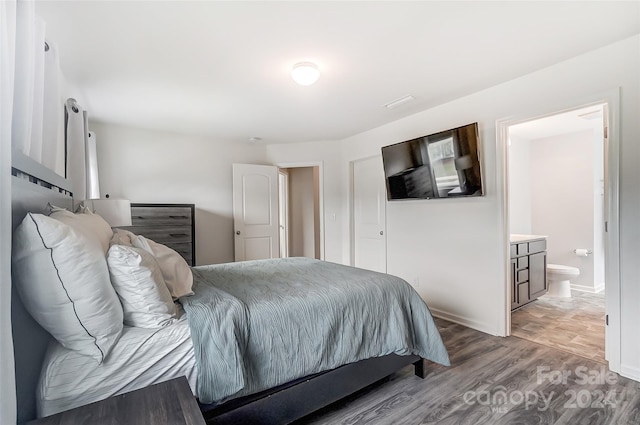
140, 358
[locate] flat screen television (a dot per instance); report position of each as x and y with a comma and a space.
441, 165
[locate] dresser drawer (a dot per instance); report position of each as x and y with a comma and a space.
165, 216
164, 234
184, 249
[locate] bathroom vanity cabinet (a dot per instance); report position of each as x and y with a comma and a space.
528, 269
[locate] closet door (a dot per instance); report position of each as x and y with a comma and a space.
369, 215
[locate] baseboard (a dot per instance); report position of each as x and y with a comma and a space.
464, 321
630, 372
590, 289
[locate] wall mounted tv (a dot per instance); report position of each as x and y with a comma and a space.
441, 165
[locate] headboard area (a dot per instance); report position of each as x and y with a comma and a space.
33, 186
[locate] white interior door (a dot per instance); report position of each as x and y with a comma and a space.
369, 215
255, 212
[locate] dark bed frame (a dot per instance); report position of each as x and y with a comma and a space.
281, 405
297, 399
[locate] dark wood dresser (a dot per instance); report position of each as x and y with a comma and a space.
167, 403
172, 225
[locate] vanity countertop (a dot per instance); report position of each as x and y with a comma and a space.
517, 238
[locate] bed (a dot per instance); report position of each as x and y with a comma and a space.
239, 316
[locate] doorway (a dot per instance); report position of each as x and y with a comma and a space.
556, 189
300, 212
610, 212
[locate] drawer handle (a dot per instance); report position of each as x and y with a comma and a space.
138, 217
178, 234
178, 216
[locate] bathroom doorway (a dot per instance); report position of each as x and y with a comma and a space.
556, 188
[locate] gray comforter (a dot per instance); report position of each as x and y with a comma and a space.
258, 324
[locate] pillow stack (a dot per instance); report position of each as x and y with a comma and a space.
62, 277
82, 282
147, 277
176, 273
137, 279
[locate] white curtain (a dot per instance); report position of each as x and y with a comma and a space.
93, 182
7, 72
37, 121
53, 112
82, 160
31, 118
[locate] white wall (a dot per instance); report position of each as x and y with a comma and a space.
454, 247
160, 167
448, 246
563, 171
519, 186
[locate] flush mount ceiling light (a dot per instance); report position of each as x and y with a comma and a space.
305, 73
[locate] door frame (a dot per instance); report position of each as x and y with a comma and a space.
320, 166
612, 215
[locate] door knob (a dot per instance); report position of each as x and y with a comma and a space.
381, 233
237, 232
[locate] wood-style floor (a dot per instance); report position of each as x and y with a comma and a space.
573, 324
494, 381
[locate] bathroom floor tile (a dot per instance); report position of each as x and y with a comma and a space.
575, 324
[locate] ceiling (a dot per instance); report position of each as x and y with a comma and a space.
221, 69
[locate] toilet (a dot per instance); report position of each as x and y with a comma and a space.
559, 279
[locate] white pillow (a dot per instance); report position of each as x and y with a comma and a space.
89, 224
62, 277
137, 279
175, 270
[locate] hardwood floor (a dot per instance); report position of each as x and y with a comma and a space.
573, 324
494, 380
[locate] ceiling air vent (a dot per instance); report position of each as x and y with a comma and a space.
399, 101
